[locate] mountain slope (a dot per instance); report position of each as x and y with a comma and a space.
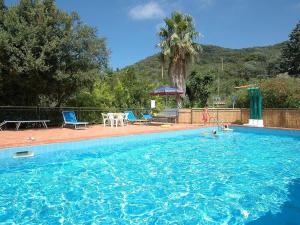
238, 63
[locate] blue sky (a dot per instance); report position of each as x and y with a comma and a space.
130, 26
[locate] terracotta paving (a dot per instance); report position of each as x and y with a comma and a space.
13, 138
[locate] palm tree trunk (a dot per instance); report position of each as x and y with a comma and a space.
177, 74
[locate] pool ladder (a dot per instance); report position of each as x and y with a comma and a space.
220, 123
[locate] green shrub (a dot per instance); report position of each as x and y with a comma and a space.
280, 92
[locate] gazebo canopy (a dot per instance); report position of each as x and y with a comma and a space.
166, 91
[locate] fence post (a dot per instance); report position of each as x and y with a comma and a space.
39, 112
191, 115
36, 111
241, 117
285, 118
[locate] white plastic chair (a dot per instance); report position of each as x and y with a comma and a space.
108, 118
119, 117
111, 118
125, 118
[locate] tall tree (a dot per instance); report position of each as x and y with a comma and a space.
46, 54
178, 48
291, 53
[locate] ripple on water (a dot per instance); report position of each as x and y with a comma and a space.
179, 178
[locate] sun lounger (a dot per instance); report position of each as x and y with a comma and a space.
70, 119
147, 116
167, 115
132, 118
19, 122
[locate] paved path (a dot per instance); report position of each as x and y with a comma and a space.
13, 138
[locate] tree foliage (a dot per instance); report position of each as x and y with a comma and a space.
46, 54
280, 92
291, 53
125, 89
198, 88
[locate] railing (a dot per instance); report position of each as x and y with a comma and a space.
54, 114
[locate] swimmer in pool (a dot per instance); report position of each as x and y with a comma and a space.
226, 128
213, 133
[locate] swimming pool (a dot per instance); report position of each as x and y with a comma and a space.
180, 177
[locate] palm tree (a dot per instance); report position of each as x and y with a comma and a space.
178, 48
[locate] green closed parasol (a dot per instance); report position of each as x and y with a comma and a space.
255, 103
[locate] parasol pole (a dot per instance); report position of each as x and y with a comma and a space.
166, 100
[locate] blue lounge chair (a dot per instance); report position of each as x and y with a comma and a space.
147, 116
70, 119
132, 118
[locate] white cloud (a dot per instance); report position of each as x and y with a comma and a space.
151, 10
203, 4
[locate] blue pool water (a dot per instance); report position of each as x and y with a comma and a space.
249, 176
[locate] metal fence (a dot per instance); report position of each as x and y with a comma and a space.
54, 114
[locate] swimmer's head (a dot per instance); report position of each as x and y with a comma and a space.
214, 132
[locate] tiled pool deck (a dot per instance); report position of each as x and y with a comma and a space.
12, 138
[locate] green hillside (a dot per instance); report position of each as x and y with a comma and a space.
239, 65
